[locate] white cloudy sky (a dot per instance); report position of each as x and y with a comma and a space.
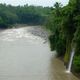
34, 2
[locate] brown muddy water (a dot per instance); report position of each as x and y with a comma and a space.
25, 55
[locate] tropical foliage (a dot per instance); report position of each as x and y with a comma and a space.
31, 15
64, 24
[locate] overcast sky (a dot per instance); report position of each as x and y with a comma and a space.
34, 2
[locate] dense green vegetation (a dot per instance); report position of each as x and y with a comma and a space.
64, 24
31, 15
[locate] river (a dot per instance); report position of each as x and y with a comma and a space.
25, 55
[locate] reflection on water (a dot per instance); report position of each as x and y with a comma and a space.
24, 56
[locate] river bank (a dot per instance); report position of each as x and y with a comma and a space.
27, 48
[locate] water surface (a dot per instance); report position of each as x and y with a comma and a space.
25, 55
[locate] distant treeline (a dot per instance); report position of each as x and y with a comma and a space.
31, 15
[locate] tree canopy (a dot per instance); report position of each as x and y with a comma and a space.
64, 23
35, 15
